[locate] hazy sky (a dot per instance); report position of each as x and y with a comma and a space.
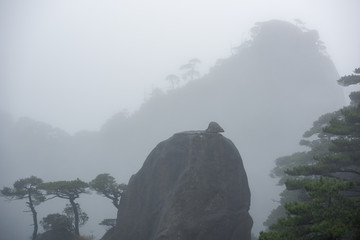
74, 63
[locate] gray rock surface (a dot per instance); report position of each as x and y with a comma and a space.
214, 127
191, 186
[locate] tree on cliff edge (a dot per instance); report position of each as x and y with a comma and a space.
69, 190
27, 188
106, 185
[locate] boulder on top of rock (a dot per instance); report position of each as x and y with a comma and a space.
214, 127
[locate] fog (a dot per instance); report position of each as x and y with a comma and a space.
101, 67
107, 56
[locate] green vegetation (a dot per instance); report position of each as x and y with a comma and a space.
57, 222
106, 185
321, 199
83, 217
34, 191
27, 188
326, 203
108, 222
69, 190
318, 142
64, 222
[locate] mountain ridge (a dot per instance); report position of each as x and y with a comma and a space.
265, 96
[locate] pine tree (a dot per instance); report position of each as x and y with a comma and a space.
28, 189
331, 181
318, 142
69, 190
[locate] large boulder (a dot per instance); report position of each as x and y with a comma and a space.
191, 186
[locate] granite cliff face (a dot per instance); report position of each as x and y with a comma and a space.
191, 186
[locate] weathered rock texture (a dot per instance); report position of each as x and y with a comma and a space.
191, 186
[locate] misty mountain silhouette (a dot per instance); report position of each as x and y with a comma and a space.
264, 96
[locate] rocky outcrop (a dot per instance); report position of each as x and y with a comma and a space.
191, 186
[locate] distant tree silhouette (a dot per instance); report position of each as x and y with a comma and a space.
190, 69
173, 80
